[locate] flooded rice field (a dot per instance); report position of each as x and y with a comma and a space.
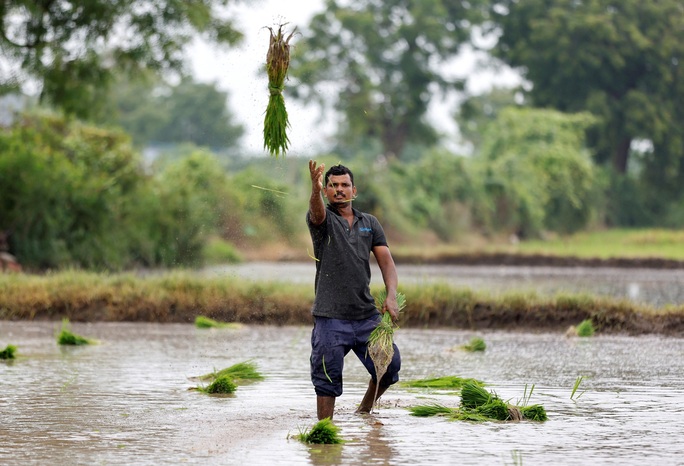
127, 400
647, 286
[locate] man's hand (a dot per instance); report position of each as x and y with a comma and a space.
316, 176
390, 305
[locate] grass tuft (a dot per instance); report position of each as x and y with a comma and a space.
323, 432
432, 409
440, 382
9, 352
222, 385
242, 371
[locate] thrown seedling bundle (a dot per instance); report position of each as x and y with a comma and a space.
438, 383
208, 322
276, 120
227, 380
323, 432
477, 404
66, 337
381, 339
8, 352
475, 344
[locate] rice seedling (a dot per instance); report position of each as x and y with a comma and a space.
9, 352
323, 432
585, 328
432, 409
381, 339
222, 385
475, 344
242, 371
440, 382
474, 396
207, 322
578, 381
66, 337
276, 120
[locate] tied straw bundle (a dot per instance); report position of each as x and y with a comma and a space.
381, 339
276, 121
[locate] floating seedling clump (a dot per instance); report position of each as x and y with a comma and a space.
276, 120
479, 405
323, 432
67, 337
381, 339
9, 352
585, 328
440, 382
475, 344
207, 322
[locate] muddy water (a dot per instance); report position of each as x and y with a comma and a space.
128, 399
648, 286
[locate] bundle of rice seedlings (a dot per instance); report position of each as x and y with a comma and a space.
207, 322
440, 382
585, 328
475, 344
381, 339
432, 409
242, 371
489, 405
66, 337
221, 385
323, 432
8, 352
474, 396
276, 119
534, 413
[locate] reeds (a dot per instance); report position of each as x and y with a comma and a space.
276, 120
66, 337
381, 339
9, 352
323, 432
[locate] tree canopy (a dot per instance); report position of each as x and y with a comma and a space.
619, 59
383, 56
72, 48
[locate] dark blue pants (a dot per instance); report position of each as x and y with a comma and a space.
331, 340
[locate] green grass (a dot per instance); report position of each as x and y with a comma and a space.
475, 344
585, 328
9, 352
68, 338
323, 432
222, 385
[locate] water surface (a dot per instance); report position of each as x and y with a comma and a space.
128, 399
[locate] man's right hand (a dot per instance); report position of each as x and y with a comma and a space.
316, 176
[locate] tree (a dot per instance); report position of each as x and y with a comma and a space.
619, 59
153, 111
72, 49
384, 56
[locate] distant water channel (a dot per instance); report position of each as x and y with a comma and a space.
127, 401
649, 286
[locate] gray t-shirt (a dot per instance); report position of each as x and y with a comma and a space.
343, 269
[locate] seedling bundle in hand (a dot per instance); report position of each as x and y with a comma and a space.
381, 340
276, 120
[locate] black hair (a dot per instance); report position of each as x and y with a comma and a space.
337, 170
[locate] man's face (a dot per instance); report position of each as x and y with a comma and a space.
339, 190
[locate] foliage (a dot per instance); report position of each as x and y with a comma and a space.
385, 56
39, 39
155, 112
323, 432
475, 344
240, 372
619, 60
440, 382
67, 337
221, 385
536, 172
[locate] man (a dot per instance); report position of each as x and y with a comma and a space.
344, 310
